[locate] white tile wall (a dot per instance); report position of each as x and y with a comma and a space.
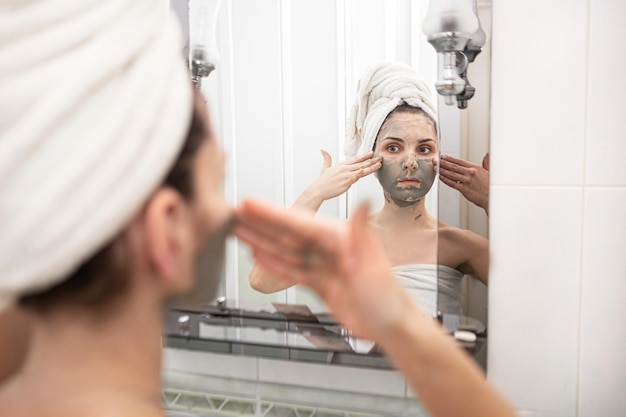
606, 129
602, 338
538, 100
533, 295
557, 225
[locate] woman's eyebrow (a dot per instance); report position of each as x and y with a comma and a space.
403, 140
393, 138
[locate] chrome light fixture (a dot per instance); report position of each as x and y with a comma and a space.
203, 52
452, 27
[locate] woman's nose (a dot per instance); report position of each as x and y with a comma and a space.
410, 162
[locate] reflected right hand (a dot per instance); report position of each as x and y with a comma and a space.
470, 179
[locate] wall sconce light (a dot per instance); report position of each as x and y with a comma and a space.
452, 27
203, 53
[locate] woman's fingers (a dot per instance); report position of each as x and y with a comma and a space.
360, 158
449, 168
364, 162
445, 173
457, 170
366, 169
450, 162
351, 170
456, 184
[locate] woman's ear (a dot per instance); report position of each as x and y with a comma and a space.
169, 240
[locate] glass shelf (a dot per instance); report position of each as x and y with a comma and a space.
283, 331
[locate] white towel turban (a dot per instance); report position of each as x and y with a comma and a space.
95, 102
383, 88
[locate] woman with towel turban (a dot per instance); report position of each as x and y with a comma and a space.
110, 183
392, 129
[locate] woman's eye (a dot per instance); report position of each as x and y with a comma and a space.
423, 149
393, 148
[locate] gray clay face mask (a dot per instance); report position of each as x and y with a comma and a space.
406, 186
209, 269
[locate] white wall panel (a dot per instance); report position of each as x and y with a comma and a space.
540, 78
602, 334
572, 64
314, 66
314, 69
534, 290
257, 97
606, 143
219, 91
602, 372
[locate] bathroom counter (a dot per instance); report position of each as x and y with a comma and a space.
250, 358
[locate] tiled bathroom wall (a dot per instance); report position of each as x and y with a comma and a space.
558, 207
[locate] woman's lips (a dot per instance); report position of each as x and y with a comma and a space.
409, 183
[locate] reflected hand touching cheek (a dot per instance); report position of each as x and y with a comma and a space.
470, 179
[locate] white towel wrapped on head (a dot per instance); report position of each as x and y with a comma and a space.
95, 102
383, 88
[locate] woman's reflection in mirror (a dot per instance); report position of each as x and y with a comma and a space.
392, 130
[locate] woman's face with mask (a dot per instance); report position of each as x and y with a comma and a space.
407, 143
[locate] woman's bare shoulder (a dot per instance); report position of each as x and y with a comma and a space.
466, 249
452, 232
464, 240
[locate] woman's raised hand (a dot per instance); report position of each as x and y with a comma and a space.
470, 179
335, 180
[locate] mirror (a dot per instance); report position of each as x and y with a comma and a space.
283, 90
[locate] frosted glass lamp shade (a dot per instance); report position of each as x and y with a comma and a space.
202, 30
450, 16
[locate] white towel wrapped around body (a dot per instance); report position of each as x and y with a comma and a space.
383, 88
433, 287
95, 102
